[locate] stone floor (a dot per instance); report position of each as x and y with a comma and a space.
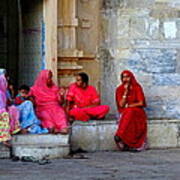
151, 164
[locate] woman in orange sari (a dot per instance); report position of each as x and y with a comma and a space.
132, 129
83, 100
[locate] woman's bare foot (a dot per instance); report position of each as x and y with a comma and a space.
51, 130
71, 120
7, 144
119, 143
64, 131
24, 131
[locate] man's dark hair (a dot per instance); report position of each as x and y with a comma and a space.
24, 87
84, 77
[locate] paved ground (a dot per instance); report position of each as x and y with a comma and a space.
152, 164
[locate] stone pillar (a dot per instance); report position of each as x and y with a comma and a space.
50, 19
68, 53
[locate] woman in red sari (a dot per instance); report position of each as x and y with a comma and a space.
48, 98
132, 129
83, 101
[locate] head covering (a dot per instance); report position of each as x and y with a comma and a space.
3, 89
2, 71
40, 89
133, 80
135, 92
3, 83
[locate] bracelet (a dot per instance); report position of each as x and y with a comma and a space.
126, 105
124, 96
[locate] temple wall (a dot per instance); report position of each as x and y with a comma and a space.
144, 37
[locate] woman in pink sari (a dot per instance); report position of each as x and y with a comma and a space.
83, 101
9, 115
48, 98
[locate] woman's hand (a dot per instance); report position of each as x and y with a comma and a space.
62, 91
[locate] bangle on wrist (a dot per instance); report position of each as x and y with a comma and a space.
126, 105
124, 96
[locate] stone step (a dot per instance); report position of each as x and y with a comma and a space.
41, 138
40, 151
4, 152
99, 135
41, 146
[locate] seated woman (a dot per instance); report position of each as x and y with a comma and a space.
48, 99
132, 129
9, 115
83, 101
28, 120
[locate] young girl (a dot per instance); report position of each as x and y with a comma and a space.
28, 120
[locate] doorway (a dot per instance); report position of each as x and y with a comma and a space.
22, 39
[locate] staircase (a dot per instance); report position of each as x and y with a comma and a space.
90, 136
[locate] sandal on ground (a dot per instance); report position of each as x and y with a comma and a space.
15, 158
76, 156
44, 161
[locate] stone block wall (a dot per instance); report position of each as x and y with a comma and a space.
144, 37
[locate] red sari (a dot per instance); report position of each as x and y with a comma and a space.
132, 129
81, 98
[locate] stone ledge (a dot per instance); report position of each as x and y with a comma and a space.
99, 135
40, 139
41, 146
41, 151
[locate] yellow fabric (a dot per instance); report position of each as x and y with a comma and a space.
4, 127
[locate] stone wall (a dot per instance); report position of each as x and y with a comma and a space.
144, 37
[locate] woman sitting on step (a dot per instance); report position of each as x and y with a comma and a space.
132, 129
83, 101
48, 99
9, 115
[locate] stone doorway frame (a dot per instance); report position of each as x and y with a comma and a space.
50, 13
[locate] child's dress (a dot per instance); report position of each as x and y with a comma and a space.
28, 119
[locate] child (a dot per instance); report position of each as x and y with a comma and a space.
28, 120
22, 94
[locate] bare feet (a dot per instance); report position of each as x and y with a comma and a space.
119, 143
71, 120
24, 131
64, 131
51, 130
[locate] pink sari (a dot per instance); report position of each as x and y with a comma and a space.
47, 103
9, 116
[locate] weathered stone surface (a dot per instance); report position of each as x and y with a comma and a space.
4, 152
145, 41
163, 133
40, 151
30, 139
99, 135
93, 136
41, 146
